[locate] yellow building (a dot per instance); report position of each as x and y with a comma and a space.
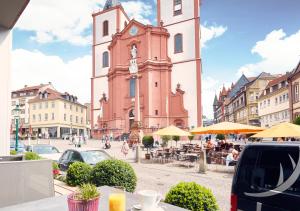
274, 103
54, 115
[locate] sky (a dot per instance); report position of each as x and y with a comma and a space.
52, 42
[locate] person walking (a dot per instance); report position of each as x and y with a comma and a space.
125, 148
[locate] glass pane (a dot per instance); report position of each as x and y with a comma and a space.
132, 87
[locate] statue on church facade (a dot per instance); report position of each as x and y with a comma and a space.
133, 68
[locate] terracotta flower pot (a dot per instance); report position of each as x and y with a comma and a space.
82, 205
147, 156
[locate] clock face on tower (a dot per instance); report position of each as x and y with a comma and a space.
133, 30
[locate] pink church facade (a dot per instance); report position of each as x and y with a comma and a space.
151, 96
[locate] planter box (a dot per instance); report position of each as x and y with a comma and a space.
23, 181
11, 158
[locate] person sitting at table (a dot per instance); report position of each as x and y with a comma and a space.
209, 144
231, 158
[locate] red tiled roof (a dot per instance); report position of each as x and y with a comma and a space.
30, 88
277, 81
52, 95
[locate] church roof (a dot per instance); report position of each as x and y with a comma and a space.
110, 3
216, 101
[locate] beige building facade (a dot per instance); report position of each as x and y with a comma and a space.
273, 103
55, 115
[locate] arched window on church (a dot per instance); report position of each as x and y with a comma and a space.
132, 87
177, 7
105, 59
178, 46
105, 28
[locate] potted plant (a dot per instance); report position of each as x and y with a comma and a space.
86, 198
148, 142
176, 139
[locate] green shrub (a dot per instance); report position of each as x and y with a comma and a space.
78, 173
191, 138
87, 192
192, 196
220, 137
176, 139
165, 140
297, 121
114, 173
148, 142
13, 152
32, 156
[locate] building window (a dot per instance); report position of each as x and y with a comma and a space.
76, 119
105, 28
46, 104
276, 101
33, 117
177, 7
156, 112
81, 120
40, 117
105, 59
53, 117
76, 108
46, 117
132, 87
71, 118
33, 106
53, 104
296, 91
178, 48
65, 117
156, 84
40, 106
81, 110
269, 101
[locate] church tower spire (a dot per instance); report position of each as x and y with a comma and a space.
111, 3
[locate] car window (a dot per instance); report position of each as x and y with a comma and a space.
75, 157
93, 157
65, 156
261, 168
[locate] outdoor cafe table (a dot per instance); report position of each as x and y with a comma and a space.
60, 203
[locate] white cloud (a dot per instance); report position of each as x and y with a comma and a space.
34, 67
210, 32
278, 51
138, 10
69, 20
56, 20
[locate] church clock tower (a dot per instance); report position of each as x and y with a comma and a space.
106, 23
182, 20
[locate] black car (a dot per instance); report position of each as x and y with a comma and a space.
267, 178
90, 157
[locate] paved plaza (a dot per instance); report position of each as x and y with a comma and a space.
161, 177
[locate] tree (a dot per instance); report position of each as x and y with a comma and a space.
165, 140
148, 142
191, 138
220, 137
176, 139
297, 121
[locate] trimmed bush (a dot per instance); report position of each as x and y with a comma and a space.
148, 142
78, 173
192, 196
297, 121
165, 140
13, 152
114, 173
32, 156
176, 139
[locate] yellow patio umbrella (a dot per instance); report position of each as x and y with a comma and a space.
171, 131
284, 130
227, 128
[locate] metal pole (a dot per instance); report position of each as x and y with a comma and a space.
17, 134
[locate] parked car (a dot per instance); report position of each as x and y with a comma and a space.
90, 157
45, 151
21, 147
267, 178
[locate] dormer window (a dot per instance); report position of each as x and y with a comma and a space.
177, 7
41, 96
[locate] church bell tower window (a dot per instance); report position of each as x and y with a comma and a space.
105, 28
178, 46
177, 7
105, 59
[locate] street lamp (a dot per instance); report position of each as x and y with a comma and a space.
16, 113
